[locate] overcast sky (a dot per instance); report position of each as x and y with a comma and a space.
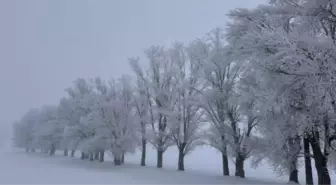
46, 44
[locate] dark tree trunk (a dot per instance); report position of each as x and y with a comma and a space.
32, 149
84, 156
27, 149
122, 158
91, 157
117, 160
162, 126
65, 152
96, 156
225, 160
320, 161
225, 165
180, 165
159, 161
294, 145
52, 149
52, 152
293, 176
101, 156
240, 172
322, 170
143, 153
308, 166
73, 153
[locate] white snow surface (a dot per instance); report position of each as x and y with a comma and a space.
203, 166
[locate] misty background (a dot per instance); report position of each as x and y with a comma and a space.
46, 44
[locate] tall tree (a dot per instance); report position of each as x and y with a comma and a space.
218, 74
294, 40
187, 114
141, 106
159, 83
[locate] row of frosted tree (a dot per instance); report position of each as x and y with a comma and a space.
263, 88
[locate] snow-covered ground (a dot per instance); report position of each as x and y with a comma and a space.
207, 161
203, 167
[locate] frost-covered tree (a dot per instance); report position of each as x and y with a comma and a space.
159, 84
280, 144
187, 115
219, 75
24, 130
295, 41
81, 98
112, 118
102, 95
142, 113
99, 117
65, 114
243, 114
21, 135
49, 130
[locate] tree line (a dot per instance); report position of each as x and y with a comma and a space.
261, 88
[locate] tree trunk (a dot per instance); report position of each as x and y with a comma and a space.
32, 149
84, 156
52, 152
52, 149
225, 165
96, 156
180, 165
320, 161
101, 156
225, 160
117, 160
159, 163
65, 152
73, 153
91, 157
240, 172
308, 166
27, 149
122, 158
294, 146
322, 170
293, 174
143, 153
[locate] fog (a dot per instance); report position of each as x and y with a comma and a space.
46, 44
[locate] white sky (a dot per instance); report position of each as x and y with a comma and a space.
46, 44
